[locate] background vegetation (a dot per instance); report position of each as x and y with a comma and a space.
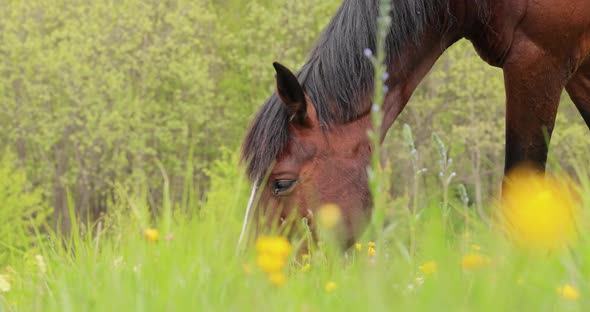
117, 112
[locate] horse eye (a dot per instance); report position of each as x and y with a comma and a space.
281, 187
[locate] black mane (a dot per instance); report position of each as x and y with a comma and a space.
338, 77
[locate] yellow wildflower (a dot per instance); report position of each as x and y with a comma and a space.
358, 246
371, 244
329, 215
428, 267
4, 284
270, 263
330, 286
151, 234
274, 245
569, 292
472, 262
272, 253
278, 279
306, 267
371, 251
539, 211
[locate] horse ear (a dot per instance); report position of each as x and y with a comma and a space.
291, 93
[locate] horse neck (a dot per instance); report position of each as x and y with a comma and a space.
409, 68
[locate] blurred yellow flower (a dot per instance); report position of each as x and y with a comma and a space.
273, 245
358, 246
472, 262
371, 244
272, 253
4, 283
330, 286
269, 263
329, 215
306, 267
151, 234
539, 211
371, 251
569, 292
278, 279
428, 267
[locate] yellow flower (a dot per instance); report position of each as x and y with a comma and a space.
330, 286
273, 245
272, 253
472, 262
539, 211
371, 244
306, 268
329, 215
270, 263
151, 235
428, 267
358, 246
569, 292
4, 284
277, 279
371, 251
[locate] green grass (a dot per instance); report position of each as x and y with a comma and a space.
198, 270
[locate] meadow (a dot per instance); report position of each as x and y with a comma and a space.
121, 186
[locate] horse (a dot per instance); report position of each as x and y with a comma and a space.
310, 136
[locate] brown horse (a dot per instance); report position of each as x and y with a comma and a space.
311, 135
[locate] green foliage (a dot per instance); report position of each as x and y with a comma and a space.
22, 211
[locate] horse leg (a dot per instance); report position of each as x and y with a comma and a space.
533, 82
578, 89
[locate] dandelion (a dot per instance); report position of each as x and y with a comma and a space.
358, 246
472, 262
330, 286
270, 263
4, 284
272, 253
329, 215
569, 292
278, 279
151, 234
371, 251
428, 268
276, 246
539, 211
371, 244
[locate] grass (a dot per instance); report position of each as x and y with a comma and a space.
195, 268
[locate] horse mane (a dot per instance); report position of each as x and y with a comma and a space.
338, 77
